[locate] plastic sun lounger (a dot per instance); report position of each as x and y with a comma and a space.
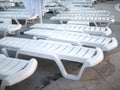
95, 20
72, 8
87, 12
16, 16
84, 15
102, 31
56, 51
8, 28
16, 9
50, 3
71, 5
14, 70
105, 43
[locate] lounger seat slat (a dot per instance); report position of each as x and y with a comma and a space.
74, 51
100, 40
81, 52
95, 40
94, 29
48, 45
90, 53
15, 68
5, 68
4, 64
107, 40
60, 49
66, 50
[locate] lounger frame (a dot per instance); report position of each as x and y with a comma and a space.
49, 50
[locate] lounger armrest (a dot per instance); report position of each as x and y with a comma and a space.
96, 59
112, 20
21, 75
109, 31
112, 45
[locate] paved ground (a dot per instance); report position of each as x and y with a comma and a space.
105, 76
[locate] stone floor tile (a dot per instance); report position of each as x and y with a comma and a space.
104, 68
89, 74
69, 84
113, 79
95, 81
115, 60
52, 86
97, 85
79, 89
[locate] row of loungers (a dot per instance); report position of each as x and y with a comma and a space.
13, 70
75, 43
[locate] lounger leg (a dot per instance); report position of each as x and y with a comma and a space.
65, 74
5, 52
95, 24
26, 21
16, 20
35, 38
5, 33
54, 13
17, 54
61, 22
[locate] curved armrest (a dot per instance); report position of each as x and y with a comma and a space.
21, 75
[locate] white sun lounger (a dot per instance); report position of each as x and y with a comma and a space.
17, 16
81, 8
77, 3
95, 20
68, 5
14, 70
8, 28
56, 51
87, 12
102, 31
105, 43
16, 9
84, 15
